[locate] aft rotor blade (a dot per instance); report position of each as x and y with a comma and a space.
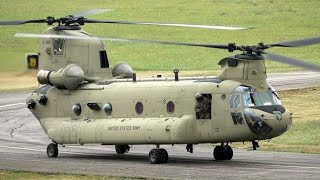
297, 43
90, 12
170, 43
29, 35
22, 22
165, 24
291, 61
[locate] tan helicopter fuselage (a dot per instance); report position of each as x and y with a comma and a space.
155, 124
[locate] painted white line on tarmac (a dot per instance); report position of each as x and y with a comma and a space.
38, 150
9, 105
8, 147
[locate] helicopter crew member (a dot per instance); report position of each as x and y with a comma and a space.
203, 106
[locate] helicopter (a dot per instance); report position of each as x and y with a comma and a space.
82, 99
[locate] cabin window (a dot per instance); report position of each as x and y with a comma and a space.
58, 46
139, 108
203, 106
107, 108
104, 63
76, 109
170, 107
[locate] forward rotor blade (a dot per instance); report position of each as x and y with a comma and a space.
297, 43
22, 22
165, 24
91, 12
291, 61
28, 35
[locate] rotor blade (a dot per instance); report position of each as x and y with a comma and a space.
297, 43
29, 35
22, 22
291, 61
165, 24
91, 12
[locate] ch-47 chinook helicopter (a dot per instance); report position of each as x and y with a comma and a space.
83, 100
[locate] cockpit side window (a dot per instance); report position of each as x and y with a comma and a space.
235, 104
234, 101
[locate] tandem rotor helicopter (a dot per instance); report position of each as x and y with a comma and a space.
84, 100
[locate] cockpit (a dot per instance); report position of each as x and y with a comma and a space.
261, 110
252, 97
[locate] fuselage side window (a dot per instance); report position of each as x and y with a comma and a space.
58, 46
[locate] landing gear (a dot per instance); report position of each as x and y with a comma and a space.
52, 150
255, 145
164, 155
189, 148
157, 156
121, 149
223, 152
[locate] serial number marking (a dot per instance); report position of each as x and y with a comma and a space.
123, 128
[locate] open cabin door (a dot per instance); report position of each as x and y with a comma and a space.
203, 114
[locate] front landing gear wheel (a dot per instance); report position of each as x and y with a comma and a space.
228, 153
223, 153
52, 150
155, 156
164, 155
218, 153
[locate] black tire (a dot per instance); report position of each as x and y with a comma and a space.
228, 152
52, 150
164, 155
127, 148
120, 149
154, 156
218, 153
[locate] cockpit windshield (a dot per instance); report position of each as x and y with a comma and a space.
253, 97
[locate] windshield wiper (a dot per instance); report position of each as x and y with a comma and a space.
275, 95
251, 97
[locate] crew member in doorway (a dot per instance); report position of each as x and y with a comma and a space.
203, 106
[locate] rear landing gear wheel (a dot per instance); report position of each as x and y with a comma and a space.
52, 150
164, 155
121, 149
155, 156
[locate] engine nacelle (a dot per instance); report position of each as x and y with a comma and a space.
122, 70
66, 78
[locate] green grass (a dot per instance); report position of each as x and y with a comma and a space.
273, 20
5, 175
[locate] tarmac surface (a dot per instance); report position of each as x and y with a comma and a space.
23, 147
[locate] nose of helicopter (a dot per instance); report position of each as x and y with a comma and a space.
280, 123
268, 122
